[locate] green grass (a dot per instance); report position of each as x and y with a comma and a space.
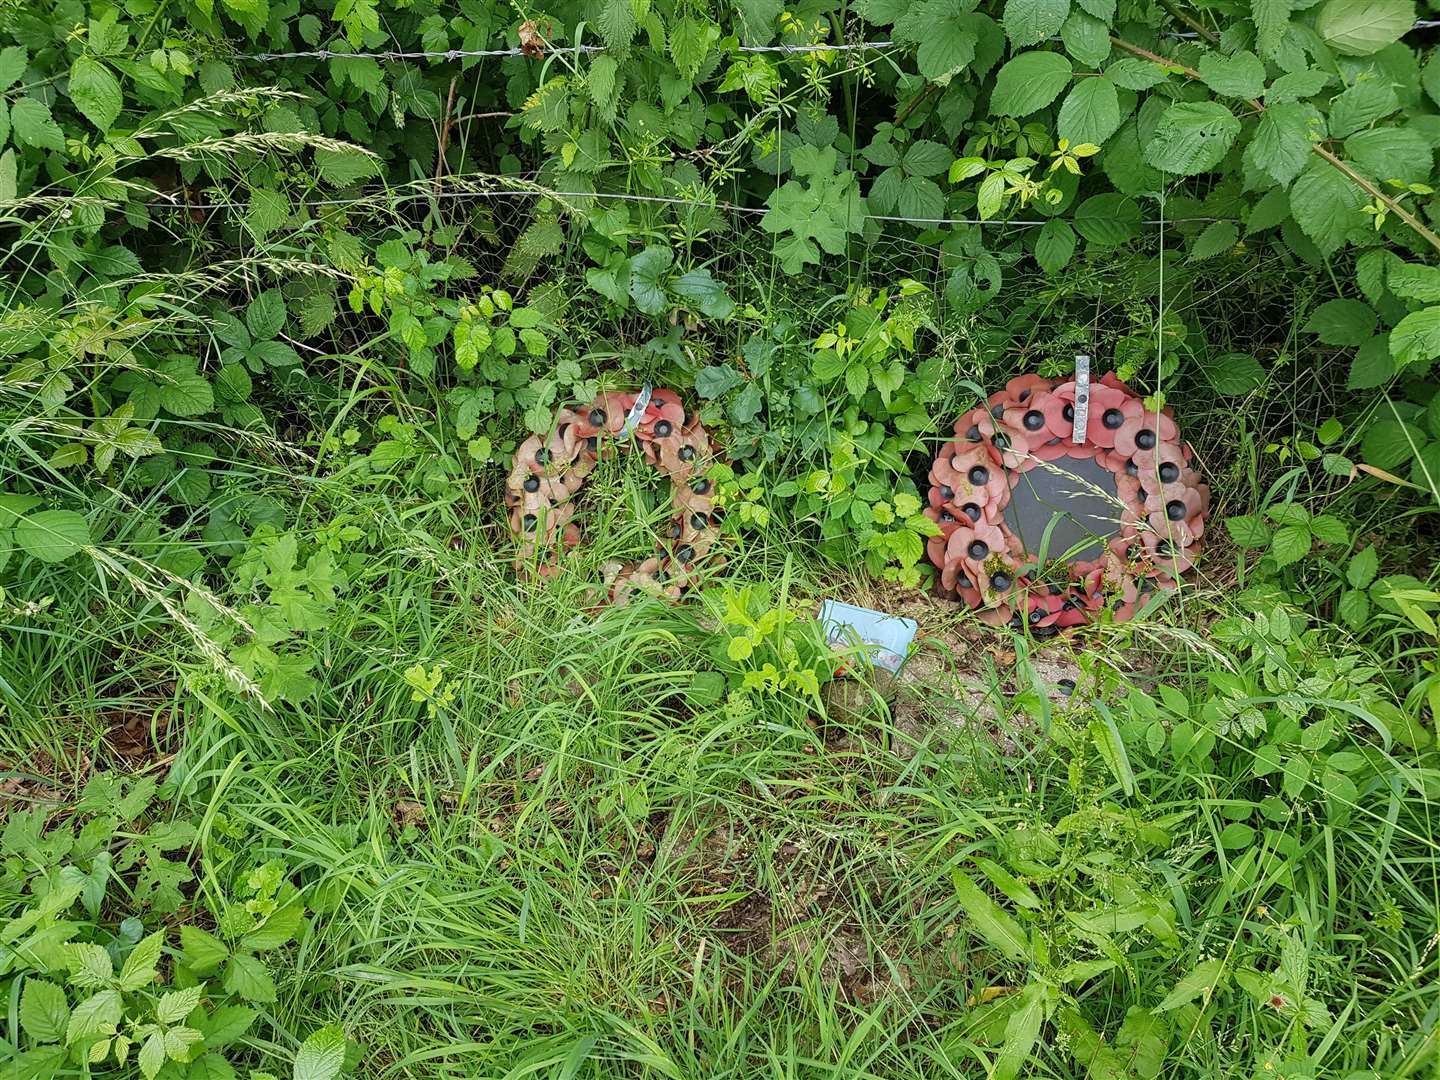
578, 862
579, 866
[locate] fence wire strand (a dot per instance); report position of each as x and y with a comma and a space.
542, 193
465, 54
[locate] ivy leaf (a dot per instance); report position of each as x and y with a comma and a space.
1090, 113
1364, 27
95, 92
1029, 82
44, 1011
1416, 338
1342, 322
1028, 22
52, 536
1054, 245
322, 1055
647, 273
32, 125
1192, 137
1241, 75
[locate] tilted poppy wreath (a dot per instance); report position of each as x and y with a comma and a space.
550, 470
1157, 513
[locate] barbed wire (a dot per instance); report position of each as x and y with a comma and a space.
541, 193
464, 54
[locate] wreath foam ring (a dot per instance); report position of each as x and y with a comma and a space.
549, 472
1161, 505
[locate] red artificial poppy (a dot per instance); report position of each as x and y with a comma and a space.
1144, 432
1029, 425
1056, 448
664, 406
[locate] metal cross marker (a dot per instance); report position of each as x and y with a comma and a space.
1082, 399
637, 411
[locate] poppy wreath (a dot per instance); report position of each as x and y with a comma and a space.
1161, 509
550, 470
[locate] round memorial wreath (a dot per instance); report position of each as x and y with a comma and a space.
550, 470
1159, 504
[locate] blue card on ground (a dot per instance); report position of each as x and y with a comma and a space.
888, 636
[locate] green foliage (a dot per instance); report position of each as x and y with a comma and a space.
96, 990
275, 327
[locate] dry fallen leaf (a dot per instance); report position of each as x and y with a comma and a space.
532, 43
